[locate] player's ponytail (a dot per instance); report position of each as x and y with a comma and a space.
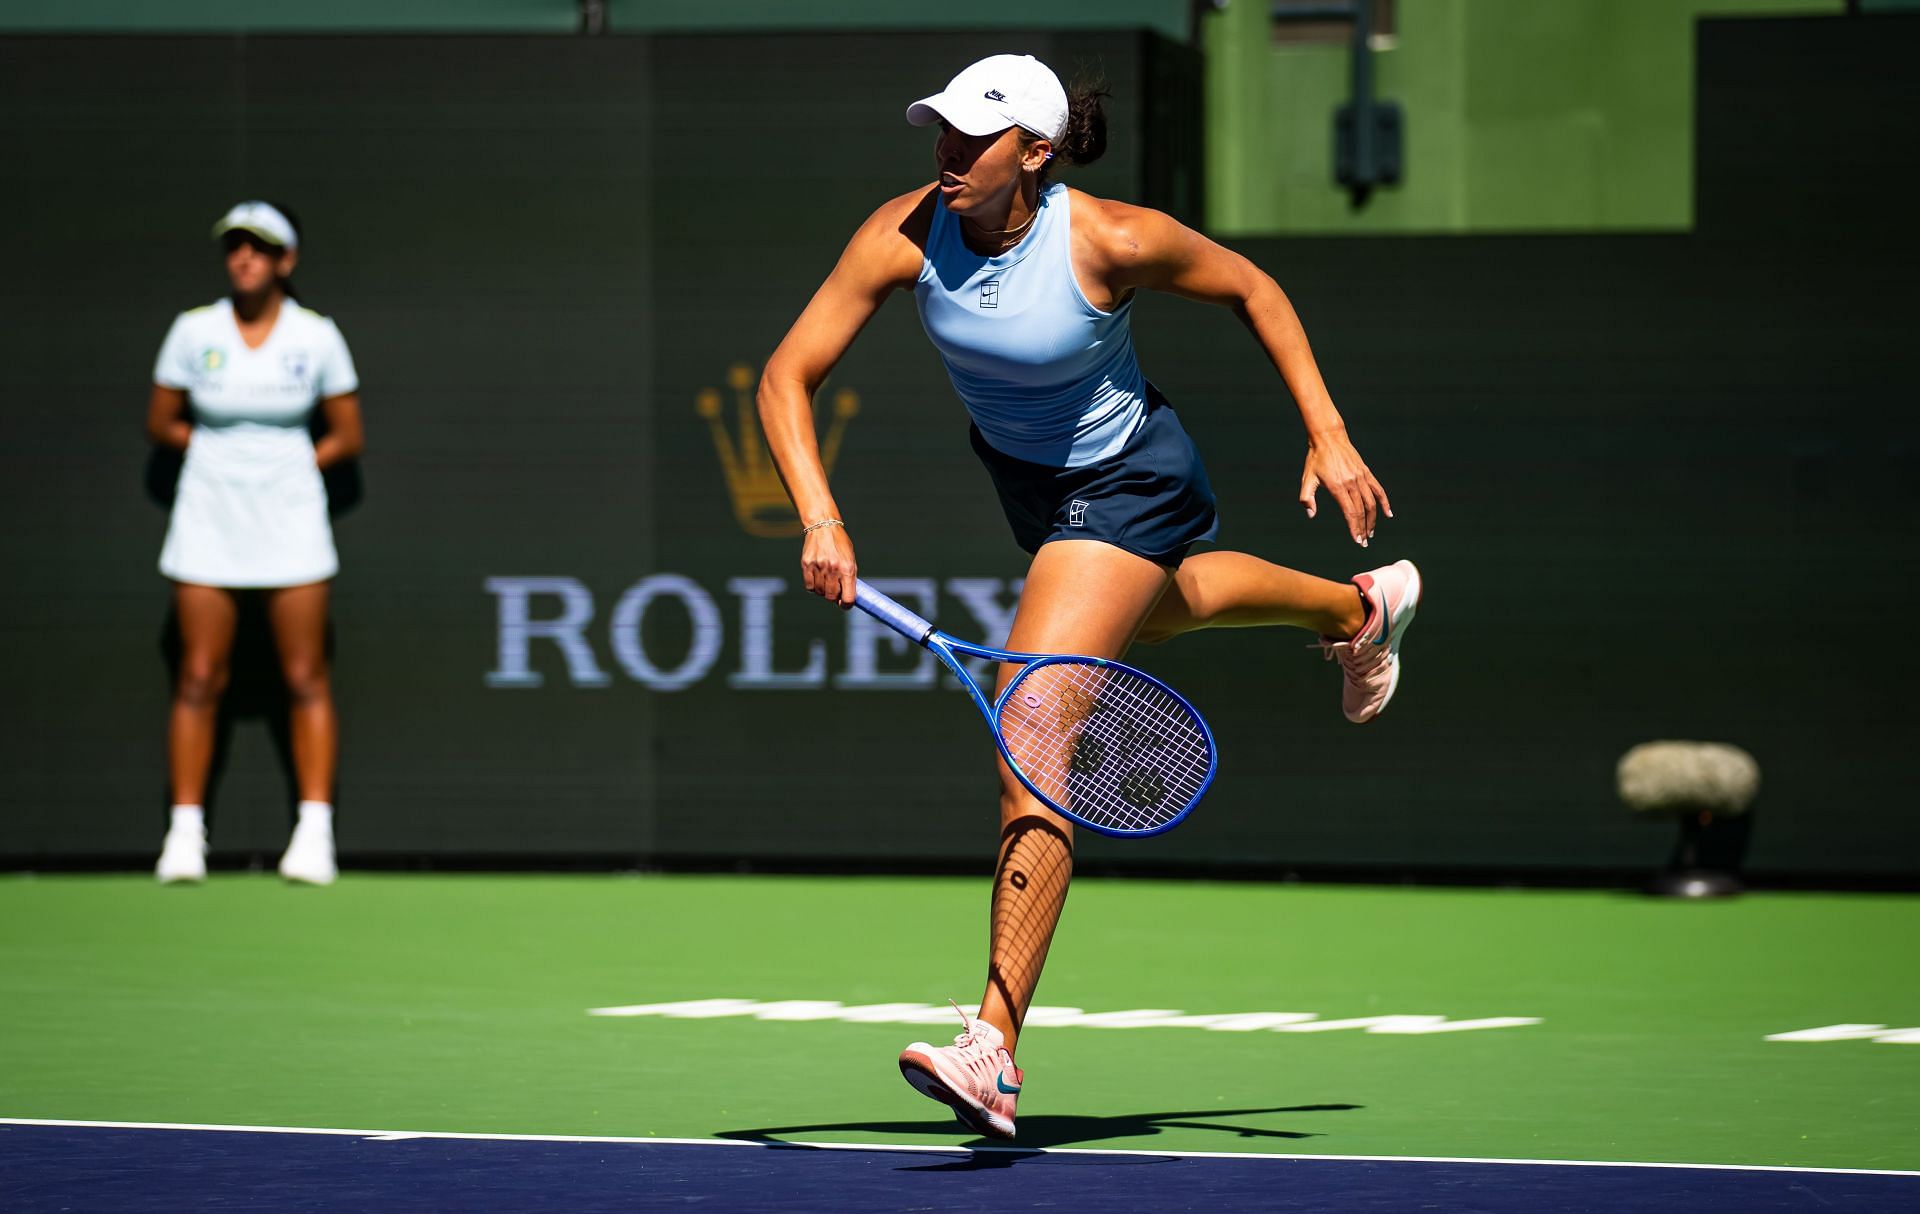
1085, 139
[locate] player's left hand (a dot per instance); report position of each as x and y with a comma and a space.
1333, 464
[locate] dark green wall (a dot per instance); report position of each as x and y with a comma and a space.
1660, 485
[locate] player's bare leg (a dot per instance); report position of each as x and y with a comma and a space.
208, 616
299, 618
1081, 596
1360, 623
1235, 590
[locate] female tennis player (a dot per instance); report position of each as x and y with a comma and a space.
1024, 287
250, 514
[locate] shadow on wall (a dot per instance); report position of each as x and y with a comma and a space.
255, 689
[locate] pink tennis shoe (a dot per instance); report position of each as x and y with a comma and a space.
1371, 659
975, 1076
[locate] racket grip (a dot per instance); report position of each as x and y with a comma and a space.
892, 614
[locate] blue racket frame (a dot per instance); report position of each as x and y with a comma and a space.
944, 646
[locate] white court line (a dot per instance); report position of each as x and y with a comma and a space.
408, 1135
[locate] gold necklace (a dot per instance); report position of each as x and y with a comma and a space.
1013, 232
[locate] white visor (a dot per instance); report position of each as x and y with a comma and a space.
263, 220
998, 92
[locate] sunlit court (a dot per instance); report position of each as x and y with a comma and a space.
1155, 605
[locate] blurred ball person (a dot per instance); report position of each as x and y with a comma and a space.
233, 389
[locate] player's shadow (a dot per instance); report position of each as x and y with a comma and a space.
1054, 1130
255, 689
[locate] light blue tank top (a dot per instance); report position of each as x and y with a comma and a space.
1048, 377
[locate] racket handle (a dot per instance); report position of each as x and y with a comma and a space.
892, 614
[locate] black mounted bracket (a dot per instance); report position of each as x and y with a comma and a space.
1366, 133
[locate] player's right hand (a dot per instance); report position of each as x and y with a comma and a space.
827, 565
1333, 464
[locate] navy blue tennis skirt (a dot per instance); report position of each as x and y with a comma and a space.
1152, 499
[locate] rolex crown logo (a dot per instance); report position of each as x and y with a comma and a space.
759, 499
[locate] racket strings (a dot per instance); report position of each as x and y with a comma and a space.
1116, 748
1029, 890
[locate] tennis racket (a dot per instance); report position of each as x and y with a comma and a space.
1111, 747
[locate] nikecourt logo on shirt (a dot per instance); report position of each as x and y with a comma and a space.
990, 293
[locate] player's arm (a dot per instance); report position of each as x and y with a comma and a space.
1146, 249
882, 257
346, 436
167, 424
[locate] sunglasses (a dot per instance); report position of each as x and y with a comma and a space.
230, 241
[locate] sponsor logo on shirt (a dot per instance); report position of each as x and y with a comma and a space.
212, 358
990, 293
294, 363
995, 95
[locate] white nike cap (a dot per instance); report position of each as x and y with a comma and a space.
263, 220
998, 92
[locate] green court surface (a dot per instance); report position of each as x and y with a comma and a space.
462, 1004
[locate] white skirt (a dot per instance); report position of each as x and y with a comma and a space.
250, 513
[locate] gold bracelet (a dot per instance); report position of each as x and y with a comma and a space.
810, 528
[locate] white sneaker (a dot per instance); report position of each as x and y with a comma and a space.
1371, 659
974, 1076
309, 857
183, 855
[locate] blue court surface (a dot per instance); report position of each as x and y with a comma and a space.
110, 1167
